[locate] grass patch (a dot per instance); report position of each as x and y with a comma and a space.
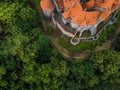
37, 2
89, 44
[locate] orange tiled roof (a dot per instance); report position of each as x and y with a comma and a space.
79, 16
90, 4
72, 8
83, 18
46, 5
76, 12
60, 4
106, 4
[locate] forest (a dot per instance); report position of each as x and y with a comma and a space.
29, 62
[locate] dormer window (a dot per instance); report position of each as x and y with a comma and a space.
73, 3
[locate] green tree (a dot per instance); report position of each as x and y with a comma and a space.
107, 65
82, 74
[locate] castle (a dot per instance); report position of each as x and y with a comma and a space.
73, 17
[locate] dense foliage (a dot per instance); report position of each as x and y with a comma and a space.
28, 62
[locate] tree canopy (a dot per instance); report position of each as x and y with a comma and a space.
29, 62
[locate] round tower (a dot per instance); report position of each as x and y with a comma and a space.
47, 7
